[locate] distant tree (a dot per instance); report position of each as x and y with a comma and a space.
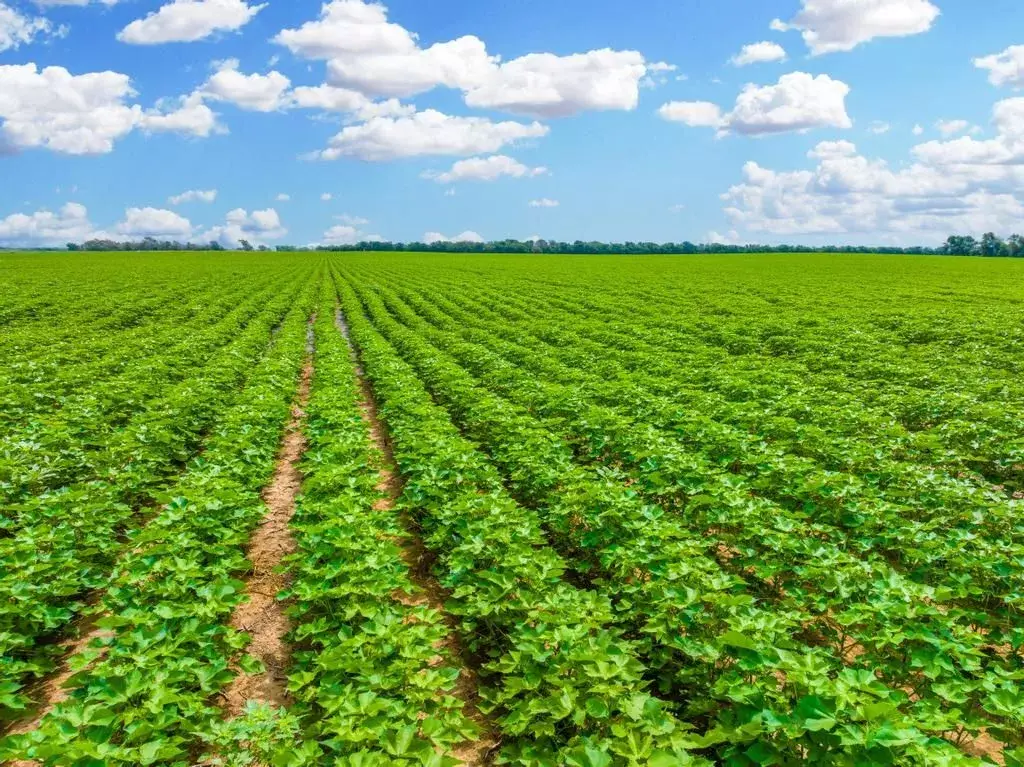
991, 246
1015, 246
960, 245
245, 245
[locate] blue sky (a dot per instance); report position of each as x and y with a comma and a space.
642, 121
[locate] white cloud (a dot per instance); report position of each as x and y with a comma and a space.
544, 202
347, 234
329, 98
1004, 152
917, 130
258, 226
283, 197
191, 116
426, 133
1006, 68
879, 127
485, 169
83, 114
799, 102
368, 53
45, 228
193, 195
256, 93
326, 197
731, 238
185, 21
696, 114
951, 127
830, 26
964, 185
679, 208
759, 53
657, 74
17, 29
467, 236
347, 27
154, 222
545, 85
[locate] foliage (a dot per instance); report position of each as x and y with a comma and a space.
730, 510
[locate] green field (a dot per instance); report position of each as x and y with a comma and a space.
587, 511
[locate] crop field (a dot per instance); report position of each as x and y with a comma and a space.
388, 509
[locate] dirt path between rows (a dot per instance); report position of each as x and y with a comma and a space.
430, 593
263, 615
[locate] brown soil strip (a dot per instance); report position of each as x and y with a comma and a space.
429, 592
263, 616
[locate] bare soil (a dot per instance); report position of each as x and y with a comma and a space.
262, 616
428, 591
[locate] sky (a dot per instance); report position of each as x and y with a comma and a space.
895, 122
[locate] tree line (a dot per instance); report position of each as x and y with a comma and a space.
989, 245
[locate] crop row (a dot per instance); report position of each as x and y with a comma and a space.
62, 544
564, 687
595, 511
915, 635
143, 689
371, 677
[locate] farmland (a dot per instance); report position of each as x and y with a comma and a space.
377, 509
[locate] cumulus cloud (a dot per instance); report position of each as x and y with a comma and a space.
963, 185
326, 197
830, 26
84, 114
187, 115
952, 127
1006, 149
256, 227
798, 102
732, 237
272, 92
696, 114
348, 234
1006, 68
545, 85
758, 53
154, 222
17, 29
45, 228
283, 197
368, 53
185, 21
193, 195
544, 202
917, 130
485, 169
467, 236
255, 92
426, 133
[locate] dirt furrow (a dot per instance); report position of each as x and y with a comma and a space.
430, 593
263, 616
